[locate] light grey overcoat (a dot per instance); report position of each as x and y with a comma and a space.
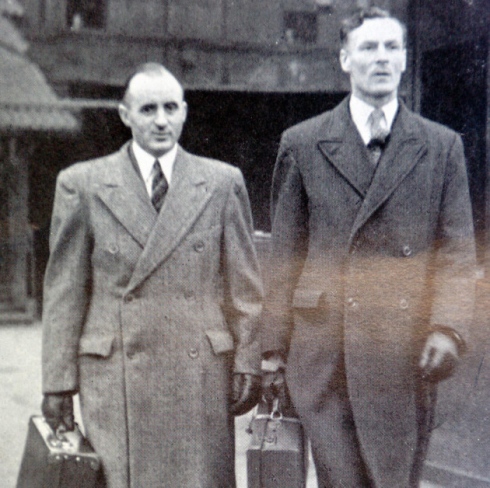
365, 261
147, 315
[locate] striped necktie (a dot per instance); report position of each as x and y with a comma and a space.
159, 186
379, 135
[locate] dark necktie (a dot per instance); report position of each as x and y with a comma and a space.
379, 135
159, 186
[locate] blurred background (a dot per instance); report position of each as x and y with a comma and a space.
250, 68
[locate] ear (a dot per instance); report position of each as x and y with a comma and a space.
404, 65
344, 60
185, 109
123, 113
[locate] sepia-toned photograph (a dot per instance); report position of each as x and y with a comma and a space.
244, 243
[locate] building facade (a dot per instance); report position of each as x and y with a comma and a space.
29, 108
251, 68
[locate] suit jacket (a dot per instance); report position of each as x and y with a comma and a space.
364, 262
147, 315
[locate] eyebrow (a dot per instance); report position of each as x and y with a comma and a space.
373, 42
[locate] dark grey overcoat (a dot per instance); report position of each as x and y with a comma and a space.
364, 262
147, 315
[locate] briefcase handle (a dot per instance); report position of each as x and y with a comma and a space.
275, 414
69, 441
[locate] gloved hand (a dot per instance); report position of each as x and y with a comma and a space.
439, 357
245, 393
57, 409
274, 382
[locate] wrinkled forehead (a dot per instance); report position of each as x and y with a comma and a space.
154, 86
377, 30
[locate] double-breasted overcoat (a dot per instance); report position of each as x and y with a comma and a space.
365, 261
147, 315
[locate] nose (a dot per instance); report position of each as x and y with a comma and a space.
161, 117
381, 54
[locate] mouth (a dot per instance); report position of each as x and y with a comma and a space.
382, 74
161, 135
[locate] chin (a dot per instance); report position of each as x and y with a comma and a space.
161, 149
383, 93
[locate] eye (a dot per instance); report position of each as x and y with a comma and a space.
148, 109
393, 46
171, 107
368, 46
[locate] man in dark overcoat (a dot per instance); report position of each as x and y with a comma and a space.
151, 301
373, 268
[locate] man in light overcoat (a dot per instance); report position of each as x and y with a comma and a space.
373, 268
151, 301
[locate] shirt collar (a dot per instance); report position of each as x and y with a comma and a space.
145, 162
360, 112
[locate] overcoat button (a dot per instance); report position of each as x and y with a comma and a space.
407, 251
352, 302
403, 304
113, 249
188, 295
129, 298
193, 353
199, 246
130, 354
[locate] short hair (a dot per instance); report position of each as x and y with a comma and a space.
354, 21
150, 68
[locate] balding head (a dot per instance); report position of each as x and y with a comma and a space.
153, 107
151, 70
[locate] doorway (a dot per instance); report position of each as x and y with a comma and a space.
454, 81
244, 129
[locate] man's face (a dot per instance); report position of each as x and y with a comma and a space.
155, 111
375, 58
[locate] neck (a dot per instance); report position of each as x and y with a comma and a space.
376, 102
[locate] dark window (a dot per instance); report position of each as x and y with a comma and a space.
300, 27
86, 14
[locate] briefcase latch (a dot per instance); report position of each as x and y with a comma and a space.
69, 441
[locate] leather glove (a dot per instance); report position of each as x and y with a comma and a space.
245, 393
439, 357
274, 381
57, 409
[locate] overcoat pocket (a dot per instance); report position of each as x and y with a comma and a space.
96, 345
303, 298
221, 341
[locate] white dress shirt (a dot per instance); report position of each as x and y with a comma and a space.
146, 161
360, 112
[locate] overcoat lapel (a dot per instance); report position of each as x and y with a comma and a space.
406, 148
123, 192
343, 147
188, 195
341, 143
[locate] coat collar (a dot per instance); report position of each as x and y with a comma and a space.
123, 192
342, 145
188, 195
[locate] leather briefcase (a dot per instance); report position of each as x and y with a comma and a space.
61, 460
278, 455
